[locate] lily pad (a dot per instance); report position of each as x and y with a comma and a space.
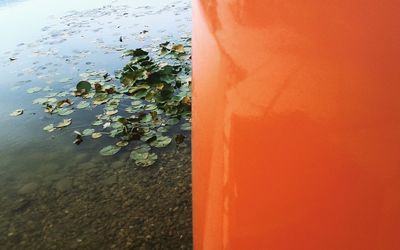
82, 105
88, 131
186, 126
147, 160
40, 100
173, 121
49, 128
65, 112
97, 123
138, 152
96, 135
64, 123
17, 112
111, 112
84, 85
110, 150
122, 143
161, 141
33, 90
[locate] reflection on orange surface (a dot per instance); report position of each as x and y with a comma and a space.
296, 124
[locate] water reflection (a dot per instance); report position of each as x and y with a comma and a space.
294, 104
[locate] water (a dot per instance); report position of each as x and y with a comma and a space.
55, 194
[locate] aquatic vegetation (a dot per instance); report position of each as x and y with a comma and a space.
141, 103
17, 112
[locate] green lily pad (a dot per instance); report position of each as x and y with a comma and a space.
147, 160
132, 109
82, 105
40, 100
122, 143
173, 121
64, 123
111, 112
64, 111
164, 129
84, 85
146, 118
97, 123
161, 141
136, 103
151, 107
17, 112
139, 150
88, 131
96, 135
110, 150
186, 126
33, 90
49, 128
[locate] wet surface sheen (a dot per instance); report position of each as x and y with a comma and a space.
300, 104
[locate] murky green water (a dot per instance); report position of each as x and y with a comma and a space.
55, 194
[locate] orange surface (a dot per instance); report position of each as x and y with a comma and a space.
296, 124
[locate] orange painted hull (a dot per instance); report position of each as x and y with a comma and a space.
296, 123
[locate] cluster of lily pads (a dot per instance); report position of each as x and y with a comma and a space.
141, 103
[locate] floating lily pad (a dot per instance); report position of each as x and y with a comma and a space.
88, 131
49, 128
111, 112
136, 103
82, 105
96, 135
151, 107
64, 123
65, 112
122, 143
97, 123
109, 150
147, 160
139, 152
84, 85
33, 90
40, 100
173, 121
186, 126
161, 141
17, 112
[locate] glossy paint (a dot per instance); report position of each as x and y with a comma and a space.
296, 124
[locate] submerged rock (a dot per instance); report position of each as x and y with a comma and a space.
28, 188
63, 185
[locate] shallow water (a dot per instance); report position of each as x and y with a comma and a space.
55, 194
